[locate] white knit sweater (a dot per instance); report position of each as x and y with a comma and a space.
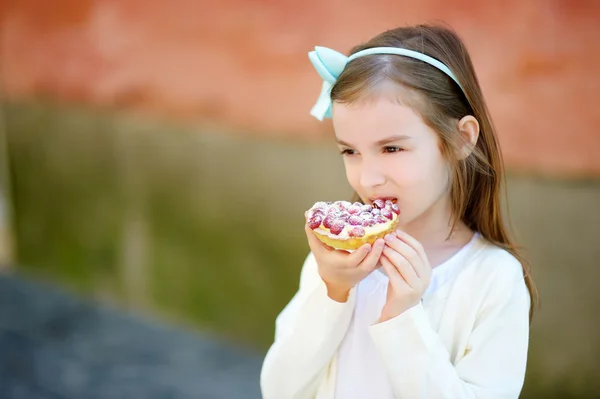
467, 339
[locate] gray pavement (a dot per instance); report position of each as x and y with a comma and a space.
54, 346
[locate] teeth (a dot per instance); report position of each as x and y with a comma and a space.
393, 199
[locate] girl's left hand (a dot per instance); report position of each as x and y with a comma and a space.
409, 273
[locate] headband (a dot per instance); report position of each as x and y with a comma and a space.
330, 64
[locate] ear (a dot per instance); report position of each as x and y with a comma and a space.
468, 127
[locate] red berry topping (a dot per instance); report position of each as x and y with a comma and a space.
366, 208
381, 219
355, 220
343, 205
317, 211
315, 221
375, 212
337, 226
379, 203
343, 216
368, 222
366, 215
354, 209
329, 220
395, 209
357, 231
387, 213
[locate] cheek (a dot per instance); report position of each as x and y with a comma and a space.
409, 169
422, 175
352, 174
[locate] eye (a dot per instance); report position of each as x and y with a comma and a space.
392, 149
347, 151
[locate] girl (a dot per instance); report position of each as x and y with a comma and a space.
440, 308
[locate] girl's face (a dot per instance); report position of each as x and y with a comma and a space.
389, 152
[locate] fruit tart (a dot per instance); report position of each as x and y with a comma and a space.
345, 225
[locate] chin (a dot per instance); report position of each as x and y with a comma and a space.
403, 221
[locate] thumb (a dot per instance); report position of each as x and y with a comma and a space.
316, 245
356, 257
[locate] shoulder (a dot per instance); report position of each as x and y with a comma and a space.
495, 271
491, 260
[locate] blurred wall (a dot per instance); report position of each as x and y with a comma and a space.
243, 64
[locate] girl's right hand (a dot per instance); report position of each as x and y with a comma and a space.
342, 270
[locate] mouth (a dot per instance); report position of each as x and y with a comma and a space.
372, 199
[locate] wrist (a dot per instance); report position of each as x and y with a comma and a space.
337, 293
388, 314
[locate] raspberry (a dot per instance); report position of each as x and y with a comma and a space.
366, 208
357, 232
317, 211
368, 222
354, 209
343, 205
343, 216
381, 219
379, 203
366, 215
387, 213
388, 203
315, 221
355, 220
395, 209
337, 226
329, 220
375, 212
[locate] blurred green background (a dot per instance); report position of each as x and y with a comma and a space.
198, 221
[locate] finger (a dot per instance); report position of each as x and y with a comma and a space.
371, 261
402, 265
358, 256
316, 245
406, 251
414, 244
342, 257
393, 275
424, 268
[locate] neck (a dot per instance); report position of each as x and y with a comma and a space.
434, 230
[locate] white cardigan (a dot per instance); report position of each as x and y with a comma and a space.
468, 339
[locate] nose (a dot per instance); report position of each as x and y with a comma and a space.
371, 174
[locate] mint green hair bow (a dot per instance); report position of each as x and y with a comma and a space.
330, 64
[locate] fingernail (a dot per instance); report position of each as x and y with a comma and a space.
388, 237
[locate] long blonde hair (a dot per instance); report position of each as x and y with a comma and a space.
476, 180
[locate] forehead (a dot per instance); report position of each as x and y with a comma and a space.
376, 117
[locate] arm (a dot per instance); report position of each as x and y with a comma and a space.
493, 368
307, 334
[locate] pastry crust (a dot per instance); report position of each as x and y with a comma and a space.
353, 243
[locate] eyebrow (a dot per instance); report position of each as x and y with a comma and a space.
380, 142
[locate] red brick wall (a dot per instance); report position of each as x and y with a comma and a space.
243, 64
